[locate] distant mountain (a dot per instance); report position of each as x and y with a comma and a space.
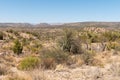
15, 25
42, 25
94, 24
77, 24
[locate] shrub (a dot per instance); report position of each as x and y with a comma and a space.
1, 36
97, 62
16, 33
68, 43
76, 47
25, 41
10, 30
113, 45
94, 37
52, 57
48, 63
17, 48
111, 36
83, 37
10, 37
3, 70
29, 63
36, 47
88, 57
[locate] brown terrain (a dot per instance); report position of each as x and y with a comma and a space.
87, 51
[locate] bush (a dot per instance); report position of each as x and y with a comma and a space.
48, 63
29, 63
88, 57
25, 41
36, 47
17, 48
68, 43
1, 36
111, 36
10, 31
113, 45
94, 37
52, 57
3, 70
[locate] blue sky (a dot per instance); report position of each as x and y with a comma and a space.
59, 11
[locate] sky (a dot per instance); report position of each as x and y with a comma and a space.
59, 11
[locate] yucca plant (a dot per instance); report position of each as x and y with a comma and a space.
69, 43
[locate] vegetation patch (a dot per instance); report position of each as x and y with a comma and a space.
17, 48
52, 57
29, 63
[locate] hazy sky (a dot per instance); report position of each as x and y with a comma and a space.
59, 11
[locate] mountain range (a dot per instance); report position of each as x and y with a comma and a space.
77, 24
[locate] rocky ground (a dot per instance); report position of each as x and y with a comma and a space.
111, 71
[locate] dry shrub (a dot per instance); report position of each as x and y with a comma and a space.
3, 69
97, 62
53, 56
88, 57
101, 59
48, 63
75, 61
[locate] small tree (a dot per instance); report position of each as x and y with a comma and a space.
17, 48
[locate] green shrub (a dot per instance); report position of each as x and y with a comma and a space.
69, 43
66, 40
17, 48
111, 35
94, 37
113, 45
29, 63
